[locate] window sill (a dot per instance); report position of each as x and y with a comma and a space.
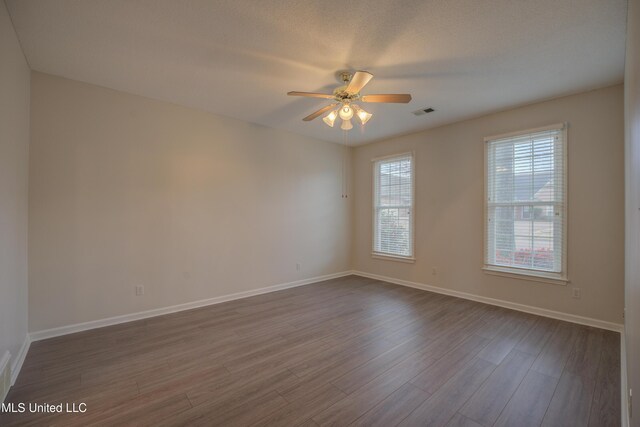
554, 279
397, 258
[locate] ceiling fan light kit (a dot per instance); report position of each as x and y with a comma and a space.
345, 95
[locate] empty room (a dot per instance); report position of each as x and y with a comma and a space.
320, 213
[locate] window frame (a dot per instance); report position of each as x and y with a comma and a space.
556, 278
384, 255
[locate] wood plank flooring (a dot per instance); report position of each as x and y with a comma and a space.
349, 351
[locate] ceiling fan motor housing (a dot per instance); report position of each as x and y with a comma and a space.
341, 95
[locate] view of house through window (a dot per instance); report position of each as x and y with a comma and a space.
525, 204
393, 206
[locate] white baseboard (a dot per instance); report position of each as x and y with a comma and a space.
5, 380
17, 363
14, 368
79, 327
501, 303
623, 382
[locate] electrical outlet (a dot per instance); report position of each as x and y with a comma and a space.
139, 290
576, 293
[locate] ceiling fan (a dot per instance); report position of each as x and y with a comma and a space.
345, 96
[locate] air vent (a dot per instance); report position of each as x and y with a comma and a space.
423, 111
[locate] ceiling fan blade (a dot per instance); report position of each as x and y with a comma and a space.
358, 81
401, 98
311, 94
319, 112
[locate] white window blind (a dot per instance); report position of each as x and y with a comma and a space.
526, 202
393, 206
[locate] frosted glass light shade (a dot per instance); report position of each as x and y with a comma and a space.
364, 116
346, 112
346, 125
330, 118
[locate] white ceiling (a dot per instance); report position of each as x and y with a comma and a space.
239, 58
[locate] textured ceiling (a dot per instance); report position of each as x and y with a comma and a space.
238, 58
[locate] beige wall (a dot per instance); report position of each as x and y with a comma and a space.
632, 234
449, 205
14, 152
126, 190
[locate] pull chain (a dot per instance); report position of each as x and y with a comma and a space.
345, 185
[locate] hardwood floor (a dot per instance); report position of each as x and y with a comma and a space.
349, 351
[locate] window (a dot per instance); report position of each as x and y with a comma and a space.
525, 228
393, 207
